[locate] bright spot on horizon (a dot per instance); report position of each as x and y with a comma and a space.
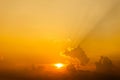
59, 65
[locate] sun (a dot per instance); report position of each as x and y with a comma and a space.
59, 65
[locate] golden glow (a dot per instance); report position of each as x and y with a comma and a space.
36, 31
59, 65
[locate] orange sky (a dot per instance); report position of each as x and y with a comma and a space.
38, 30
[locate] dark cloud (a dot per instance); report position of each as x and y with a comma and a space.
79, 54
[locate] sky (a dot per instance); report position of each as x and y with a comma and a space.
36, 31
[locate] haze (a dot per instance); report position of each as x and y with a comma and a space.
36, 31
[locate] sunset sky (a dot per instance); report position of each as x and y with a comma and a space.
36, 31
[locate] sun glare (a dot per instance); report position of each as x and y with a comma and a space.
59, 65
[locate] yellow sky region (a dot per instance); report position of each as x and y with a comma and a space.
37, 30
